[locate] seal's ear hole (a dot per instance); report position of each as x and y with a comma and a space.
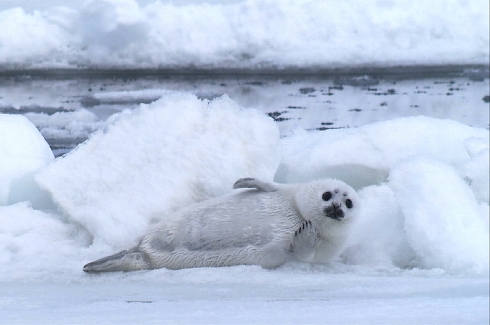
348, 203
327, 196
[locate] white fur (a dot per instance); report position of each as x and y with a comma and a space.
263, 224
325, 237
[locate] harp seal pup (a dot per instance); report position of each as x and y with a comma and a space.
259, 223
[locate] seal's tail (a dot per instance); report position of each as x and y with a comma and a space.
131, 260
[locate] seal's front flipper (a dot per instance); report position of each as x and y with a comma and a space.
132, 260
255, 183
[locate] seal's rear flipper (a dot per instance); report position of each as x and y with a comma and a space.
255, 183
132, 260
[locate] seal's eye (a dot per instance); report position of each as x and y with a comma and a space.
348, 203
327, 196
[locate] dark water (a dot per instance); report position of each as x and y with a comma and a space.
67, 107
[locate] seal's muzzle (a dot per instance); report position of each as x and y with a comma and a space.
334, 211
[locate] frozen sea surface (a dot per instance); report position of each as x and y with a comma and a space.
250, 295
67, 108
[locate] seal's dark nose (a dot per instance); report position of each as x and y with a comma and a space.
329, 210
334, 211
339, 213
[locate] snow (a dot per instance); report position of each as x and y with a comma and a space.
250, 295
419, 253
243, 35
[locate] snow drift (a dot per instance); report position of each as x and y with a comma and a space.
253, 34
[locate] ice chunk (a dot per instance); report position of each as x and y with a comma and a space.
443, 220
365, 155
62, 125
379, 238
159, 158
22, 151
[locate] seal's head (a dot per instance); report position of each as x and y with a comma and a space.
327, 202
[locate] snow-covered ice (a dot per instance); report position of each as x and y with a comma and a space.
419, 252
250, 295
253, 34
